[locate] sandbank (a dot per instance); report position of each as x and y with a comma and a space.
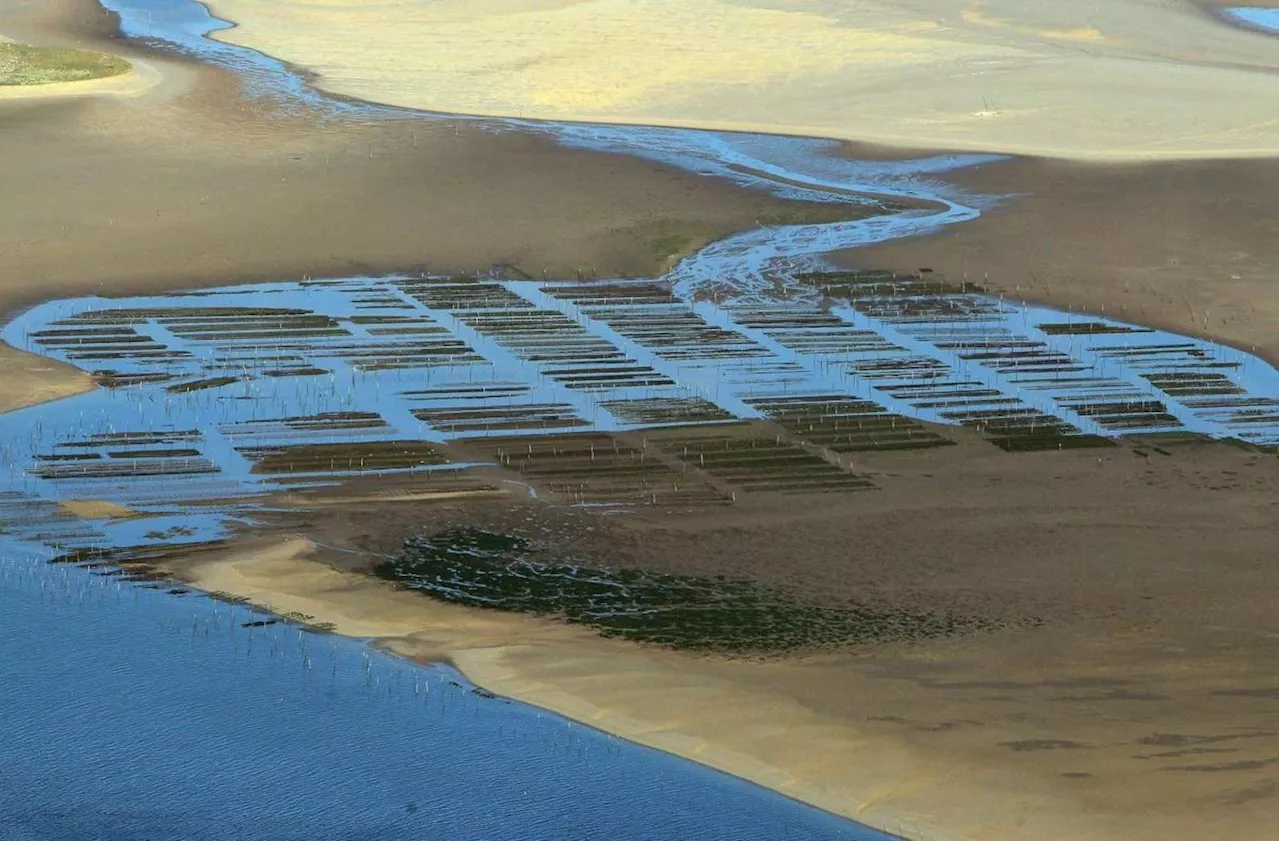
1115, 80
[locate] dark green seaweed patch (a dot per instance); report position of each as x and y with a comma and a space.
497, 571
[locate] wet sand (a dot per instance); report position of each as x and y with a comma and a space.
1143, 707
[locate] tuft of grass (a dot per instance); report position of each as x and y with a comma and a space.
21, 64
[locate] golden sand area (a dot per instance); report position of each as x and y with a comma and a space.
1109, 80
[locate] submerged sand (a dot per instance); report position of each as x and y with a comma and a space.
1111, 80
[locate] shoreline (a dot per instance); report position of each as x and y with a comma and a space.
571, 672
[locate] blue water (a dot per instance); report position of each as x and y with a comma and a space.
127, 713
1265, 19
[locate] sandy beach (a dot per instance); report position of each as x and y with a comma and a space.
995, 76
1141, 704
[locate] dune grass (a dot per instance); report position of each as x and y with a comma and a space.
21, 64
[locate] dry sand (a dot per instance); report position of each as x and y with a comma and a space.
1110, 79
1143, 707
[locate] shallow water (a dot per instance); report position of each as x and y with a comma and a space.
1264, 19
212, 386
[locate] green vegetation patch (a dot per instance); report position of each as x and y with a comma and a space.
501, 572
24, 65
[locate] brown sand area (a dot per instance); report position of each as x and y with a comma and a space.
1143, 707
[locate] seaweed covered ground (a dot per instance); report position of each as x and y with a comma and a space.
506, 572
